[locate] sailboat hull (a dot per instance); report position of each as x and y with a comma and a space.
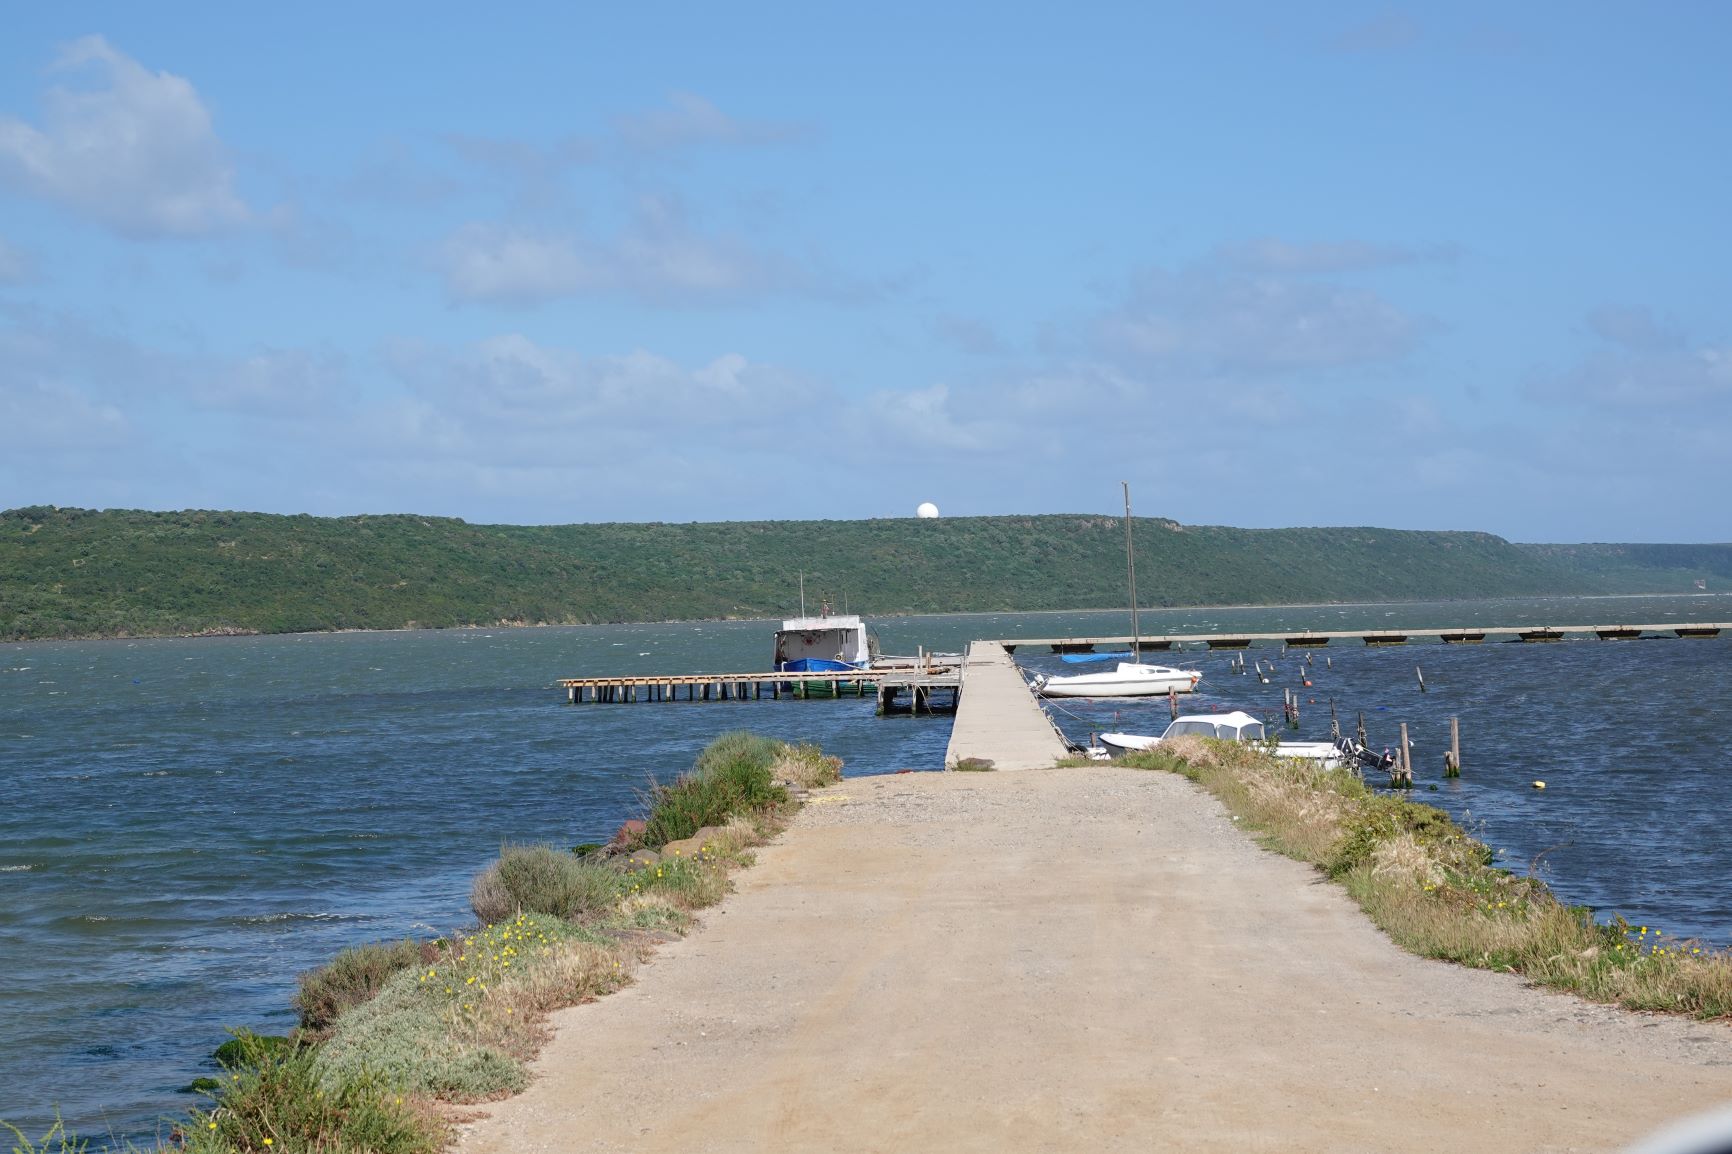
1130, 679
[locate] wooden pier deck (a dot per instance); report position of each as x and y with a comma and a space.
1310, 639
997, 717
926, 686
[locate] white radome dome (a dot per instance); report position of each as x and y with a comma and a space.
927, 510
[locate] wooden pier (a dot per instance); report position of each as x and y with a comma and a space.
915, 688
1316, 639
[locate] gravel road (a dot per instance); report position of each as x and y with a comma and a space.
1077, 959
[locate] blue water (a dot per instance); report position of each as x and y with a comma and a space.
191, 823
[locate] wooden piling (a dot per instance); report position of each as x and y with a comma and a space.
1420, 673
1402, 774
1452, 756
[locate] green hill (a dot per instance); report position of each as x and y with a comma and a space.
84, 573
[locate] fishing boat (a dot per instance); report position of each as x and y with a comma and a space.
1130, 678
825, 643
1241, 726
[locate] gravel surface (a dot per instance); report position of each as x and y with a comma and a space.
1077, 959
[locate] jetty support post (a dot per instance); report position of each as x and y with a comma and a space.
1452, 757
1402, 773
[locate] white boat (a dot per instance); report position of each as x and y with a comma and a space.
824, 643
1235, 726
1130, 679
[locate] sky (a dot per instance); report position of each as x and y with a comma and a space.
1460, 266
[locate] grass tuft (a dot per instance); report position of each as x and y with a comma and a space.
352, 977
806, 767
287, 1103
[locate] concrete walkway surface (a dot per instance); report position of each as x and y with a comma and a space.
1077, 960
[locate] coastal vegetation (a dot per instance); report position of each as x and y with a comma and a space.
68, 573
392, 1035
1437, 891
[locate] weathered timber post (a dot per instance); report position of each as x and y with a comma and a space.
1419, 673
1452, 757
1403, 776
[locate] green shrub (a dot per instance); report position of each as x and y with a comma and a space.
731, 776
284, 1104
352, 977
541, 879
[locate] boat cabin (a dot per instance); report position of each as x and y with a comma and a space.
813, 644
1235, 726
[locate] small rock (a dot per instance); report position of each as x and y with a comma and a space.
642, 858
630, 832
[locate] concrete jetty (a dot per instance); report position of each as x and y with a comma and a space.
997, 717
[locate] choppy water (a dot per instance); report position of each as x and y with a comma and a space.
188, 824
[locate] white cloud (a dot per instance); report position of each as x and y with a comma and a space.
1274, 256
45, 416
1213, 321
276, 383
659, 258
1664, 386
493, 263
689, 120
511, 400
1633, 328
135, 150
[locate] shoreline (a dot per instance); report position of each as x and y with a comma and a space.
222, 631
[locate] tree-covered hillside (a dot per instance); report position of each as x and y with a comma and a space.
83, 573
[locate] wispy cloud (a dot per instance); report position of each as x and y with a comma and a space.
660, 257
688, 121
1388, 31
1272, 255
1213, 320
132, 149
1633, 327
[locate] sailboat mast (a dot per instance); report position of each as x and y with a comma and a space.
1131, 573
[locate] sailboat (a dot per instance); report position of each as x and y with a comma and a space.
1131, 678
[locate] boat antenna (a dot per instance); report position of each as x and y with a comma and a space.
1131, 573
802, 592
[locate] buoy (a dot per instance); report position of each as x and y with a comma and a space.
1538, 784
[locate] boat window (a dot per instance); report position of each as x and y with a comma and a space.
1253, 731
1207, 729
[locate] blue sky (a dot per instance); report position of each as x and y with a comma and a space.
1463, 268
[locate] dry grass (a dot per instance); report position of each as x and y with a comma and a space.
806, 766
1433, 889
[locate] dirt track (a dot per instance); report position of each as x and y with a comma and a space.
1079, 959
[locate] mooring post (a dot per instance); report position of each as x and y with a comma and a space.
1334, 722
1419, 673
1452, 759
1173, 703
1406, 770
1361, 727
